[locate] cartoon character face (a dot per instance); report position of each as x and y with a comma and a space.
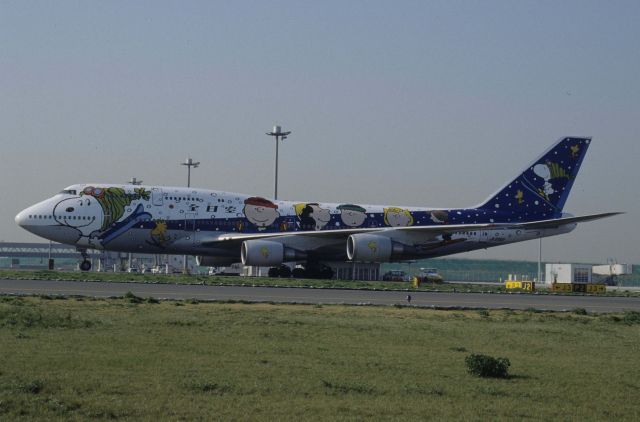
397, 217
260, 211
352, 215
312, 216
82, 213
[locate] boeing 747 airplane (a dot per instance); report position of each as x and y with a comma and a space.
221, 228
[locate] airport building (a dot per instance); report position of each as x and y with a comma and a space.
568, 273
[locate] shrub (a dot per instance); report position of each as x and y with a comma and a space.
346, 388
209, 387
487, 366
32, 387
579, 311
133, 298
631, 317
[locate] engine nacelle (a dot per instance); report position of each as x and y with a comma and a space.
373, 248
214, 261
267, 253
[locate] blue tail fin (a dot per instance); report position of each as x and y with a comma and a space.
541, 190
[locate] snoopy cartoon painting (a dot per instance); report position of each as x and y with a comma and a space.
80, 218
543, 171
99, 215
311, 216
554, 178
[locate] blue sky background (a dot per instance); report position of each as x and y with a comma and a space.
404, 103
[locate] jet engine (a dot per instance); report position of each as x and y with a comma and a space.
267, 253
374, 248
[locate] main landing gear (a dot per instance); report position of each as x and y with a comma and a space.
85, 265
282, 271
311, 270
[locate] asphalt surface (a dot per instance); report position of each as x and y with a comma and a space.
322, 296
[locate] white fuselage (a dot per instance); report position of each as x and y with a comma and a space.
174, 220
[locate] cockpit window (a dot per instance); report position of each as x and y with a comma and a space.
69, 191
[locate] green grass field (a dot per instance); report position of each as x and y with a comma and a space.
117, 359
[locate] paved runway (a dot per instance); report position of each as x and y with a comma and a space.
326, 296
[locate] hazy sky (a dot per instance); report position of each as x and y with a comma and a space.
395, 102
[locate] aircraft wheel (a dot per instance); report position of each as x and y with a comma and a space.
85, 265
318, 271
284, 271
273, 272
298, 273
326, 272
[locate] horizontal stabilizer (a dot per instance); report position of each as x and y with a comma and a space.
557, 222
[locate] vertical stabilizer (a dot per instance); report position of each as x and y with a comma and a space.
541, 190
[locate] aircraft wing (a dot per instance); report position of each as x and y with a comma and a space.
434, 230
344, 233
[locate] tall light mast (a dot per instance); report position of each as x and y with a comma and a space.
189, 163
279, 135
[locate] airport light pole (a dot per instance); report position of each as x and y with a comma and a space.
279, 135
189, 163
539, 259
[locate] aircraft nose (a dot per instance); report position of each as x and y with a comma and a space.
21, 218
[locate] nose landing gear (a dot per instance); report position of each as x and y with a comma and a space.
85, 265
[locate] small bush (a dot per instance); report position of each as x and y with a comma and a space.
579, 311
487, 366
133, 298
209, 387
152, 300
631, 317
346, 388
32, 387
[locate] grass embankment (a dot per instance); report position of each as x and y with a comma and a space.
126, 358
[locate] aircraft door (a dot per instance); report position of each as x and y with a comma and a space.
156, 196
